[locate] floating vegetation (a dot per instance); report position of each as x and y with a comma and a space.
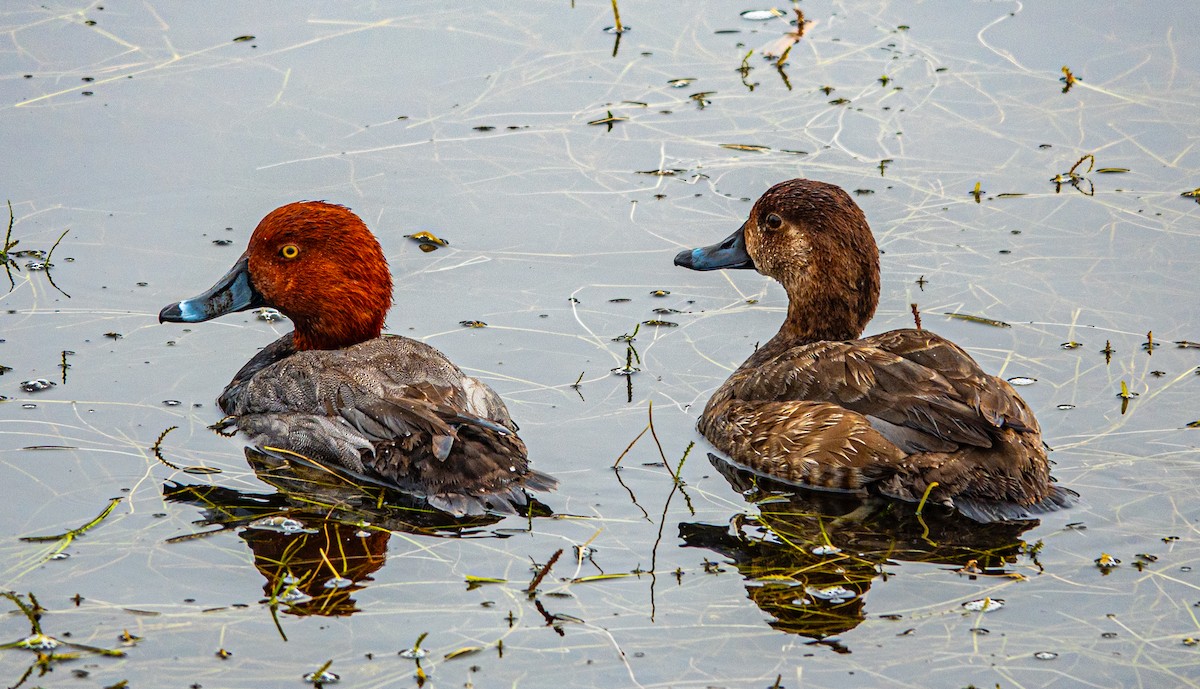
628, 337
1187, 344
1111, 170
8, 256
542, 572
660, 323
1125, 393
464, 651
626, 370
833, 594
427, 241
475, 582
1125, 396
1106, 562
1045, 655
609, 120
619, 28
978, 191
472, 324
984, 605
157, 450
976, 319
269, 314
761, 15
322, 675
43, 644
681, 82
243, 39
671, 172
37, 385
1076, 179
1070, 345
280, 524
744, 70
753, 148
702, 98
1108, 351
1021, 380
1150, 345
824, 550
1068, 79
660, 293
66, 538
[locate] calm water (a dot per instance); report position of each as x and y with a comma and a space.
473, 124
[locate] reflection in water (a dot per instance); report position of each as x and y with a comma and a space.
319, 538
809, 557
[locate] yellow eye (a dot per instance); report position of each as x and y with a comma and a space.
289, 251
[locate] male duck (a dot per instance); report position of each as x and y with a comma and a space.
900, 412
382, 408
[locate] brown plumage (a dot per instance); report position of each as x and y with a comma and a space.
896, 412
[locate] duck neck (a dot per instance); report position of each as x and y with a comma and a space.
820, 318
335, 331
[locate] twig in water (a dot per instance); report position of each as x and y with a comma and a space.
49, 266
9, 244
537, 579
157, 448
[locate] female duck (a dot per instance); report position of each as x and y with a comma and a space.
903, 412
381, 408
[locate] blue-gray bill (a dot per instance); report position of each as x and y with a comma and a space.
233, 292
728, 253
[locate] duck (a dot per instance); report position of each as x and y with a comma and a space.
339, 393
905, 414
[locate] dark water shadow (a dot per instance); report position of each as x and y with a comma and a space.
809, 557
319, 538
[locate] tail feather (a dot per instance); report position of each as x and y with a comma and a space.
987, 511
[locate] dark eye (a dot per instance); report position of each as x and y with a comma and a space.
774, 221
289, 251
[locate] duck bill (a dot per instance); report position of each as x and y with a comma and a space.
234, 292
728, 253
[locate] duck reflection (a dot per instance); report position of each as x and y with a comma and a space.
810, 557
319, 538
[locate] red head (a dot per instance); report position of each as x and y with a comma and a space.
318, 264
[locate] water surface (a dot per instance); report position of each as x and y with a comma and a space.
157, 141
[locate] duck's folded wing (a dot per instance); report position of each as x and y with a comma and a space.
992, 397
885, 385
